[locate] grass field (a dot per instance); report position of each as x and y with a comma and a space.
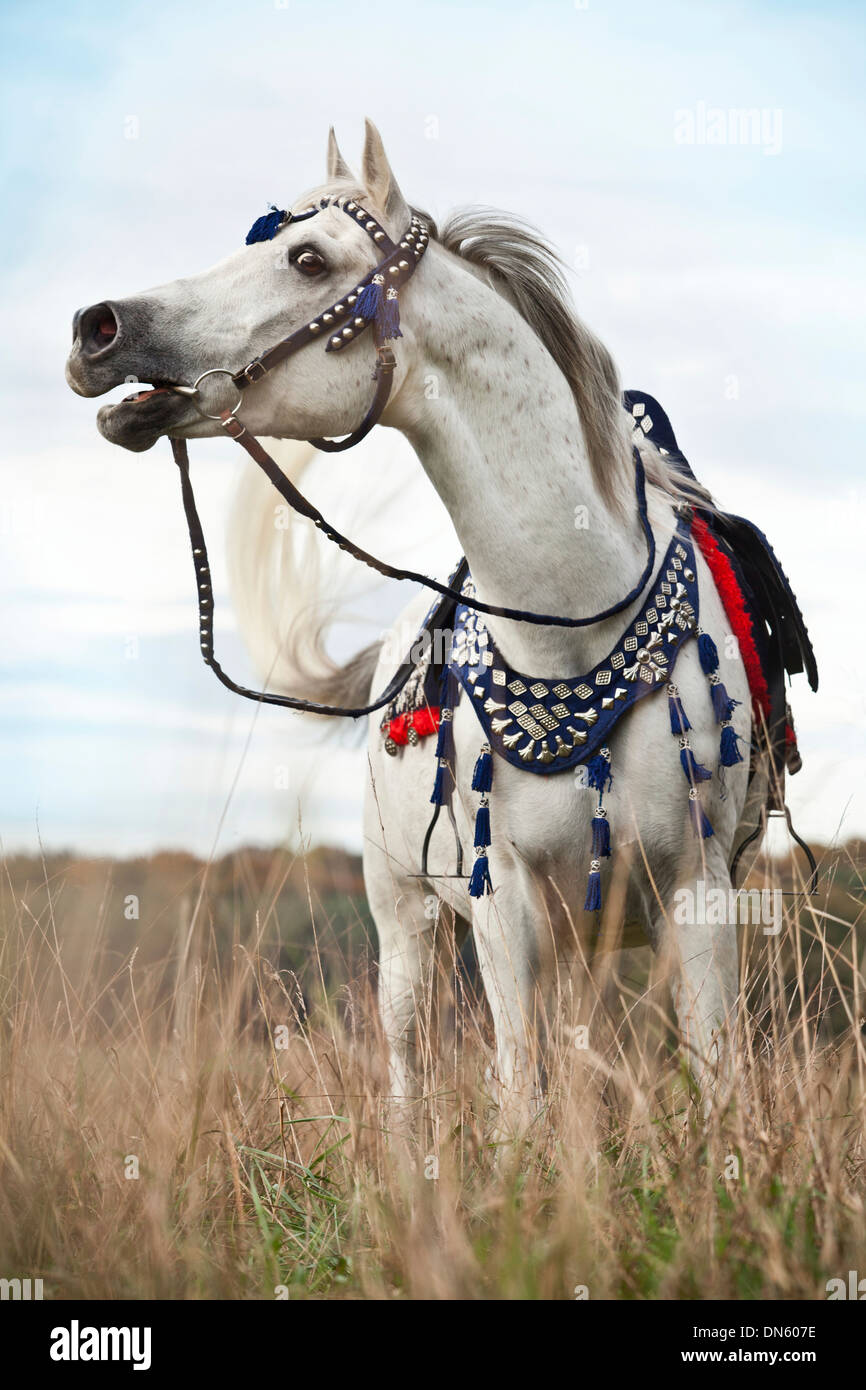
191, 1105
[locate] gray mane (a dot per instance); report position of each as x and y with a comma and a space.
523, 268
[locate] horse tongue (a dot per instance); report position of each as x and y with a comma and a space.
143, 395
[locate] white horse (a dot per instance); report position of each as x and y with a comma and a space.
526, 426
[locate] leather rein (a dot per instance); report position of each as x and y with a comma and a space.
372, 303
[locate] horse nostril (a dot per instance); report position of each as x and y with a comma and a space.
96, 327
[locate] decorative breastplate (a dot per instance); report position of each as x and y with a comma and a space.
547, 725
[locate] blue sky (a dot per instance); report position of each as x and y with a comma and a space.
139, 142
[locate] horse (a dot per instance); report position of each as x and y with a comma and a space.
525, 440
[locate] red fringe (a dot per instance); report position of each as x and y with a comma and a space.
424, 721
738, 615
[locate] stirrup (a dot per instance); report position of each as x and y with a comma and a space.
760, 830
425, 872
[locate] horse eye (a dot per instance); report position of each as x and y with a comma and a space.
309, 262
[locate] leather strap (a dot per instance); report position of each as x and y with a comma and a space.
383, 376
237, 431
206, 604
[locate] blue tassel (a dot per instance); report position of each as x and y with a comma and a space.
479, 883
442, 735
729, 753
695, 772
593, 889
598, 770
388, 322
482, 825
437, 798
679, 719
723, 705
700, 824
600, 835
709, 656
371, 300
482, 777
266, 227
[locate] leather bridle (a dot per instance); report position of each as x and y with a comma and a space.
342, 325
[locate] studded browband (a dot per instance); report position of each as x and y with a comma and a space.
372, 303
342, 323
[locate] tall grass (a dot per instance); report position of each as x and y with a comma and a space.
192, 1105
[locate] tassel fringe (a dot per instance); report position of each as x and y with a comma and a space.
679, 719
708, 654
389, 321
482, 781
482, 777
600, 835
479, 883
694, 771
593, 888
266, 227
729, 753
723, 705
438, 788
598, 771
482, 825
700, 824
371, 299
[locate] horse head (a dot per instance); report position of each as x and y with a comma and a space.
219, 319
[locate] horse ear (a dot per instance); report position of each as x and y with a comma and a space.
378, 178
337, 166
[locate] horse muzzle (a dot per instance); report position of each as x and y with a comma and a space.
107, 352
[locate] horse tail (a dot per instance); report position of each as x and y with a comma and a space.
284, 592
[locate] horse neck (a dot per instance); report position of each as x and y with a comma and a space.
495, 425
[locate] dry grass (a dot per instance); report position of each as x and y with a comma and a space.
155, 1043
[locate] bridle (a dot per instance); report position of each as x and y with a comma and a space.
373, 302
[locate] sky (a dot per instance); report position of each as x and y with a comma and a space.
138, 144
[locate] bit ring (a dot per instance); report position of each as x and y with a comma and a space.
215, 371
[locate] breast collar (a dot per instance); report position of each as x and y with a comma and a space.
546, 725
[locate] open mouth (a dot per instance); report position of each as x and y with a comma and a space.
142, 417
159, 388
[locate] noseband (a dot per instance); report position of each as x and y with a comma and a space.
372, 303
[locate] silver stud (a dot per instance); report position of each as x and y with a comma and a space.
327, 318
393, 270
359, 323
314, 327
339, 308
404, 245
348, 333
371, 226
335, 342
350, 207
404, 265
350, 299
378, 236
